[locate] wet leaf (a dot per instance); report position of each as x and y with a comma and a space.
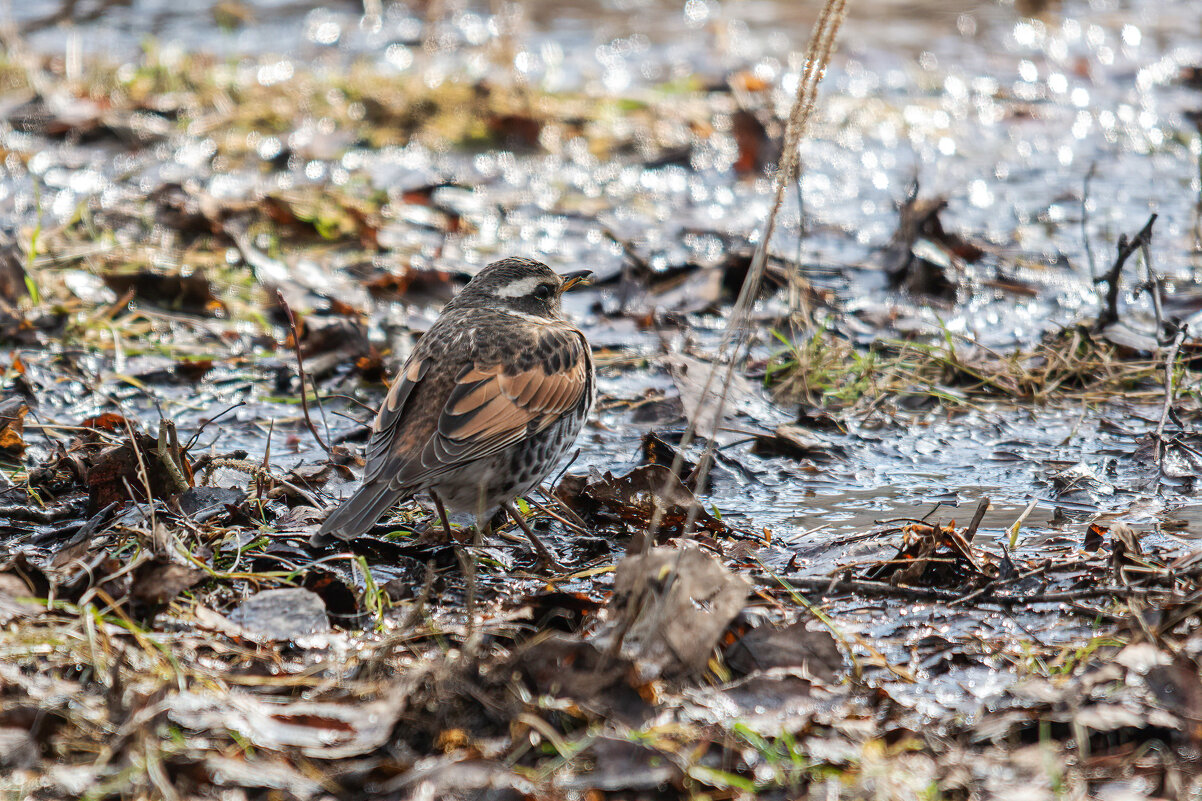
1094, 537
326, 335
116, 474
18, 750
690, 376
261, 772
340, 600
16, 599
792, 646
1178, 688
757, 147
935, 555
187, 212
924, 269
12, 426
191, 293
413, 286
202, 503
1081, 479
56, 114
454, 777
371, 366
656, 451
564, 666
1123, 335
617, 765
1125, 551
797, 442
562, 611
637, 498
331, 216
323, 730
771, 702
675, 603
109, 421
31, 580
13, 284
160, 580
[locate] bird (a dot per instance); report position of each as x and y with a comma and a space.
491, 398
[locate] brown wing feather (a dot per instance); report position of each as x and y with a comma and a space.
387, 427
433, 421
490, 408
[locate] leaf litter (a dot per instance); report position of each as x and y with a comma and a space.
810, 608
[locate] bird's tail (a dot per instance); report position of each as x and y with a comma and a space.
358, 513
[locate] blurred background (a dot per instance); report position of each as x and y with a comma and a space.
975, 98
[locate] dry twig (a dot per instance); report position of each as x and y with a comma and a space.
300, 369
1126, 248
737, 333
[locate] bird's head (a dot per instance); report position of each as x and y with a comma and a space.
521, 285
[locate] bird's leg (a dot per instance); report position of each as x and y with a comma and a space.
442, 515
544, 553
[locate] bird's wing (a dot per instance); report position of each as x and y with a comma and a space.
395, 416
487, 406
399, 417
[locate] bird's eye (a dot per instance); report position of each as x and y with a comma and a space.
542, 292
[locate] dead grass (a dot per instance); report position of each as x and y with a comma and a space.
828, 371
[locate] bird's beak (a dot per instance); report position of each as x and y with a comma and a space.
578, 278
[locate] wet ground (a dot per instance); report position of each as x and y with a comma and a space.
968, 173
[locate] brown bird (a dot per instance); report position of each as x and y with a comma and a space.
487, 404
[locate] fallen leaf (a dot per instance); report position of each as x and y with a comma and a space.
13, 284
638, 498
12, 426
16, 599
413, 285
160, 580
201, 503
619, 765
701, 407
191, 294
921, 255
797, 442
108, 421
675, 603
756, 146
269, 774
792, 646
1095, 535
18, 750
117, 471
565, 666
324, 730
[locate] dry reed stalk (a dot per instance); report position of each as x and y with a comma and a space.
737, 333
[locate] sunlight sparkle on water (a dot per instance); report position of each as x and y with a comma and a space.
273, 73
399, 56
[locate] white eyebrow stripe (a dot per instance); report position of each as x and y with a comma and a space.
519, 289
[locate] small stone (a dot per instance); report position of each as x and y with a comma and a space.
286, 614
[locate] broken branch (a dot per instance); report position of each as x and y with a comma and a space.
1110, 311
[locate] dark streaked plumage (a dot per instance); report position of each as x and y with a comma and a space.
489, 401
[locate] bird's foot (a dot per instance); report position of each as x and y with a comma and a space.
546, 557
